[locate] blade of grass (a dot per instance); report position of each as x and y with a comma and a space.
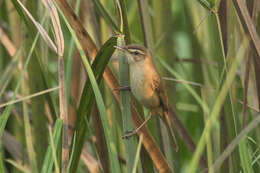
217, 106
137, 156
49, 159
87, 98
241, 136
40, 65
5, 115
56, 165
28, 97
245, 156
29, 140
18, 166
72, 154
8, 73
38, 74
208, 139
106, 16
100, 103
123, 19
41, 30
2, 169
56, 26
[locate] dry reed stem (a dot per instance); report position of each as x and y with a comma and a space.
7, 43
247, 23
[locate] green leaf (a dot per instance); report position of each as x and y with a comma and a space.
245, 156
18, 166
5, 115
49, 160
2, 169
87, 98
45, 74
106, 16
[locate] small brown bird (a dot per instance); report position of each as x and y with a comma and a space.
146, 85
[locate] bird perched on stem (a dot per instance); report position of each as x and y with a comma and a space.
147, 86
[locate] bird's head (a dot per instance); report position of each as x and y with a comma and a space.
135, 53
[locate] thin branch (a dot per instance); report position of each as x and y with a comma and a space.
249, 106
247, 23
29, 97
184, 81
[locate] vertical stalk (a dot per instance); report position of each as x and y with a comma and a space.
63, 115
130, 144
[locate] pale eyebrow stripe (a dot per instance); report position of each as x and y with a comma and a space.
136, 50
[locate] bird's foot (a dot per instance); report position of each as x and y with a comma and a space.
123, 88
129, 133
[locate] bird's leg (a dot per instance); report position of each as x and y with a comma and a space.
123, 88
133, 132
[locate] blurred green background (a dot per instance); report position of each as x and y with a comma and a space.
207, 52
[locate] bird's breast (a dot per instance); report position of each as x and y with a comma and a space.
141, 87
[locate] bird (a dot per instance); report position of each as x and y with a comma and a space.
147, 86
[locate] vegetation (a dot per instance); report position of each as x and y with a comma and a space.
61, 111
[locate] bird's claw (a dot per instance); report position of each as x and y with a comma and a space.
128, 134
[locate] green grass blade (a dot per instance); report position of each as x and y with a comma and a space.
245, 156
100, 103
5, 115
56, 165
72, 154
2, 169
29, 139
8, 73
217, 106
49, 160
44, 72
106, 16
137, 156
18, 166
87, 98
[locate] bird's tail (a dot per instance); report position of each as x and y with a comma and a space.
168, 123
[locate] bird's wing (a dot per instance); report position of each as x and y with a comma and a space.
160, 89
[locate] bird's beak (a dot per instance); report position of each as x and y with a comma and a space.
121, 48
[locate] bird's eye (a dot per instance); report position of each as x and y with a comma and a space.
136, 53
